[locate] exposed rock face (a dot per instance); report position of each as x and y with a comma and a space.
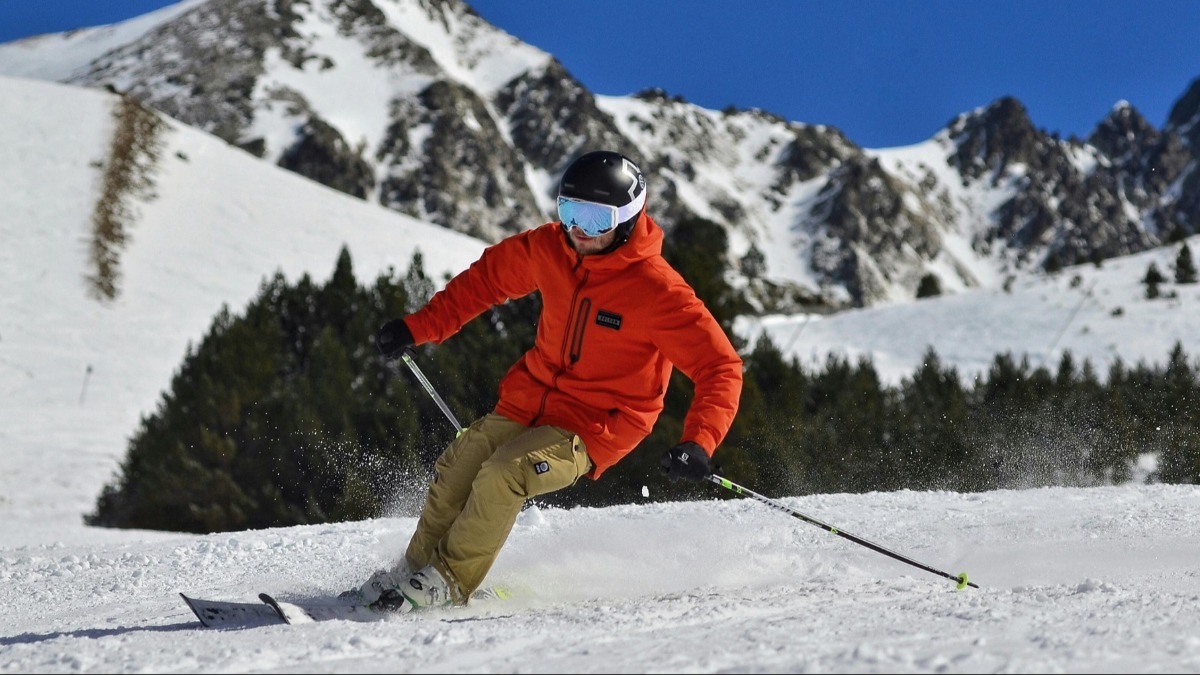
321, 154
202, 67
873, 238
462, 175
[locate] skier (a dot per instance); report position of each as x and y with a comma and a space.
615, 319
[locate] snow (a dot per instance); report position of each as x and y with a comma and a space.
1070, 579
472, 51
353, 94
56, 56
1096, 313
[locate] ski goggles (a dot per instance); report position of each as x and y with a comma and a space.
595, 219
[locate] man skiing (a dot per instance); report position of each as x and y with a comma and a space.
615, 320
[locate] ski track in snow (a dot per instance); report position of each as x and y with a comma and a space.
1071, 580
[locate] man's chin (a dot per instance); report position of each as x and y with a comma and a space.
586, 245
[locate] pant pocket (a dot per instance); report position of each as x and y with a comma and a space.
559, 462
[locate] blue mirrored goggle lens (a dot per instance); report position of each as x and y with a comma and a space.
594, 219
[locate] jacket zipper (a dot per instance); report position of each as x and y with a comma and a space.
572, 346
585, 308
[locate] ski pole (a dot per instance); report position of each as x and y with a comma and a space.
412, 365
746, 492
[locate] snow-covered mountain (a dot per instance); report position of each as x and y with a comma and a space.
425, 108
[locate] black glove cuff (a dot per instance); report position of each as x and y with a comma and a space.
688, 461
394, 338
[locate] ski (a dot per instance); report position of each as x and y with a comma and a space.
309, 611
224, 614
272, 611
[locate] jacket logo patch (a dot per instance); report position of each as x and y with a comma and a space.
608, 320
541, 467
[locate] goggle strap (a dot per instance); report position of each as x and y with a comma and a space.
631, 209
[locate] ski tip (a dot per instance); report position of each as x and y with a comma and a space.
267, 599
279, 610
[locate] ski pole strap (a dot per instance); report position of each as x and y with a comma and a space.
412, 365
746, 492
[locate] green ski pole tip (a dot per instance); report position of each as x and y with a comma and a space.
962, 580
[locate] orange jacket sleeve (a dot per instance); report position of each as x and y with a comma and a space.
499, 274
695, 343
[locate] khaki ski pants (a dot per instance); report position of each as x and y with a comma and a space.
480, 484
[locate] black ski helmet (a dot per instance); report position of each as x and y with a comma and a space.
611, 178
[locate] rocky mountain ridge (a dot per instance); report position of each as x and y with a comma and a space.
424, 107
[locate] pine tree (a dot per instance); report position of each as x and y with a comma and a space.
1185, 268
1152, 279
1053, 264
929, 286
932, 425
754, 263
695, 248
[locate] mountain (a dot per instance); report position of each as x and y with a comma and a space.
425, 108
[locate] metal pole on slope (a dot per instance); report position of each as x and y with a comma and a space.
1054, 343
412, 365
961, 578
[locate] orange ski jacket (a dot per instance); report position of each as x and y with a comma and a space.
612, 327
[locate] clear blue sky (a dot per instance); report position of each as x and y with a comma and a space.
886, 73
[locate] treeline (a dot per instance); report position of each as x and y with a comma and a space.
286, 414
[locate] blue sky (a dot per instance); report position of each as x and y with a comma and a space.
887, 73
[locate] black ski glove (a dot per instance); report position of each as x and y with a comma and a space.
688, 461
393, 338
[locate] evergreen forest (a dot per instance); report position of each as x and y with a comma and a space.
285, 414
